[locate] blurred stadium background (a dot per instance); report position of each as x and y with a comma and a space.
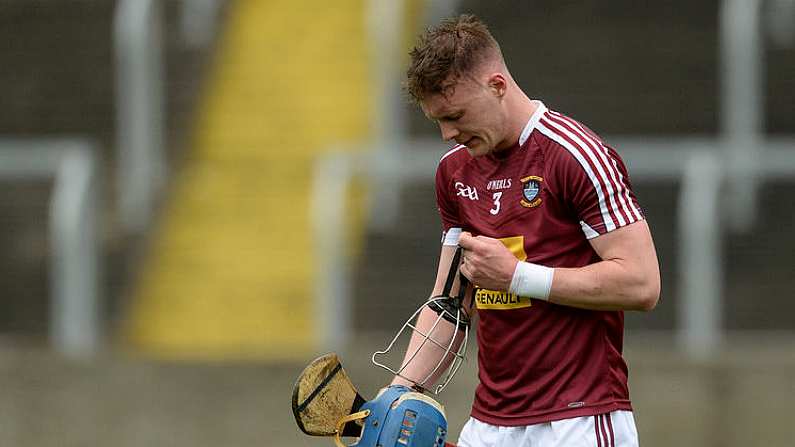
200, 196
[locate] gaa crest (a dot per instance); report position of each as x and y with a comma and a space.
531, 189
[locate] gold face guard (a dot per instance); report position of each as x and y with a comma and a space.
358, 416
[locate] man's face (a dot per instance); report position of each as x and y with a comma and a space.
468, 113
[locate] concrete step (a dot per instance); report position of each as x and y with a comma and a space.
740, 398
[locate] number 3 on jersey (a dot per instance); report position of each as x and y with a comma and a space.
496, 196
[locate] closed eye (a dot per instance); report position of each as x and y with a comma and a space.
454, 117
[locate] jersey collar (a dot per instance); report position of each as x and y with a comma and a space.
532, 122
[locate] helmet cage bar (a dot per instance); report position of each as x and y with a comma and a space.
448, 351
461, 319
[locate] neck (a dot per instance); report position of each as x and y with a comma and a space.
519, 109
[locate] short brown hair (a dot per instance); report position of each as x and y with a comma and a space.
447, 52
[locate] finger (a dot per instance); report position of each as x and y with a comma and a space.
465, 240
464, 269
469, 242
485, 239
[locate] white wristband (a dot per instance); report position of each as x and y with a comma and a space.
531, 280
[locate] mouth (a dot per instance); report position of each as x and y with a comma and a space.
468, 142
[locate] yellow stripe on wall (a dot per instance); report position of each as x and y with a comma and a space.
229, 271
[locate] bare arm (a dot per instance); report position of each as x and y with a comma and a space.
627, 277
428, 356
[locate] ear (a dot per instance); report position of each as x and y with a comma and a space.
497, 84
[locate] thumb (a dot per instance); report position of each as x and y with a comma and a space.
466, 240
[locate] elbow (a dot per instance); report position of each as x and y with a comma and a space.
648, 302
649, 295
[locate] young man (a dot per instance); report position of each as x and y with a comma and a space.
553, 240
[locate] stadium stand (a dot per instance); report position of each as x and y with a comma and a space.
657, 60
57, 80
230, 272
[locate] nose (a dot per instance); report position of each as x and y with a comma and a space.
448, 130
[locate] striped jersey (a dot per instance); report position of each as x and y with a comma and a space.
544, 198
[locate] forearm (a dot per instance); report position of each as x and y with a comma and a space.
421, 364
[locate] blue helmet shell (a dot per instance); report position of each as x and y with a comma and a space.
400, 417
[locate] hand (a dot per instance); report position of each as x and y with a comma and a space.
486, 262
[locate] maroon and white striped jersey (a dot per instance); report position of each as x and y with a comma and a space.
559, 186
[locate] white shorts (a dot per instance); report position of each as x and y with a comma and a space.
616, 429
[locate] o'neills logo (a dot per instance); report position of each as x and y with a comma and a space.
531, 187
492, 299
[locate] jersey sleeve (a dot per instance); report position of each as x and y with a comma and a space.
595, 183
